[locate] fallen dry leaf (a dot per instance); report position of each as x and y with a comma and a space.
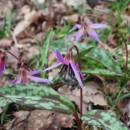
112, 41
124, 106
20, 117
40, 120
38, 2
4, 9
5, 43
72, 18
91, 93
25, 9
73, 2
28, 19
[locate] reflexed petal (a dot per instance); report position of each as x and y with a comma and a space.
81, 74
90, 23
77, 75
34, 72
37, 79
72, 36
53, 66
2, 67
92, 33
79, 35
18, 80
76, 35
59, 57
95, 26
75, 27
13, 81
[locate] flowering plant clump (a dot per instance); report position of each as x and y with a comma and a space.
46, 97
86, 28
68, 64
25, 75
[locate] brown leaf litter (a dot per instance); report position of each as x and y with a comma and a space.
40, 120
92, 93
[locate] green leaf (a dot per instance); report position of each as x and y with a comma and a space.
103, 119
105, 58
124, 95
4, 102
44, 49
41, 59
84, 49
36, 96
103, 72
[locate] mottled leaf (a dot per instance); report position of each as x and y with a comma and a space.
105, 58
103, 72
103, 119
37, 96
43, 51
45, 48
4, 102
85, 49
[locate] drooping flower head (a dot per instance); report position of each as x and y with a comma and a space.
68, 65
86, 28
25, 75
2, 62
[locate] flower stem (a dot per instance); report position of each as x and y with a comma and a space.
77, 50
81, 102
124, 41
78, 121
81, 89
13, 55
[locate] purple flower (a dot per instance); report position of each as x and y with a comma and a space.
2, 63
86, 28
69, 65
24, 76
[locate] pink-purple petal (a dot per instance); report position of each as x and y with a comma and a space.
2, 67
72, 36
92, 33
79, 35
75, 27
40, 80
77, 75
89, 23
13, 81
18, 80
53, 66
81, 74
35, 72
96, 26
58, 56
